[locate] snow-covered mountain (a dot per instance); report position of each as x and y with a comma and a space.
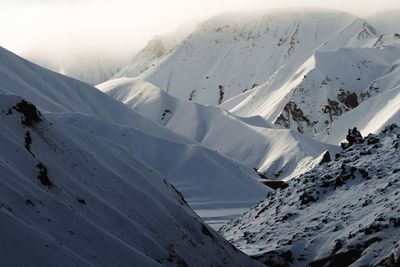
202, 175
300, 70
278, 153
370, 117
342, 213
210, 183
205, 120
230, 54
71, 198
155, 49
315, 73
53, 92
310, 97
313, 91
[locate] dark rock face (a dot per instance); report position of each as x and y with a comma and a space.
349, 99
271, 183
221, 94
326, 158
346, 101
192, 95
166, 111
353, 137
390, 128
43, 176
28, 141
206, 232
82, 201
292, 111
333, 109
29, 111
276, 184
306, 198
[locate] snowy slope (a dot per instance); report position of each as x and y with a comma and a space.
54, 92
297, 69
311, 93
155, 49
370, 117
314, 90
233, 53
70, 198
359, 33
252, 141
342, 213
172, 155
208, 181
310, 97
336, 85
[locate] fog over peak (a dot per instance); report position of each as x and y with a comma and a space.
50, 32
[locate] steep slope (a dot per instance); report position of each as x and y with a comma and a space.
370, 117
155, 49
309, 97
173, 155
71, 198
53, 92
315, 90
335, 85
277, 153
300, 70
210, 183
360, 33
230, 54
343, 213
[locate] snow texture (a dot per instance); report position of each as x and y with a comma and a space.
70, 198
278, 153
344, 212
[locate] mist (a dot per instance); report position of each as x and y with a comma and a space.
54, 31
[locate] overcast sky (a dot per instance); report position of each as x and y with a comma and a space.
106, 25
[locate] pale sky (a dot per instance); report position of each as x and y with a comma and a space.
122, 25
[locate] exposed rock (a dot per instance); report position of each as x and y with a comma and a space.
29, 111
352, 200
192, 95
349, 99
43, 175
292, 112
28, 141
165, 113
221, 94
333, 109
353, 137
275, 184
325, 158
